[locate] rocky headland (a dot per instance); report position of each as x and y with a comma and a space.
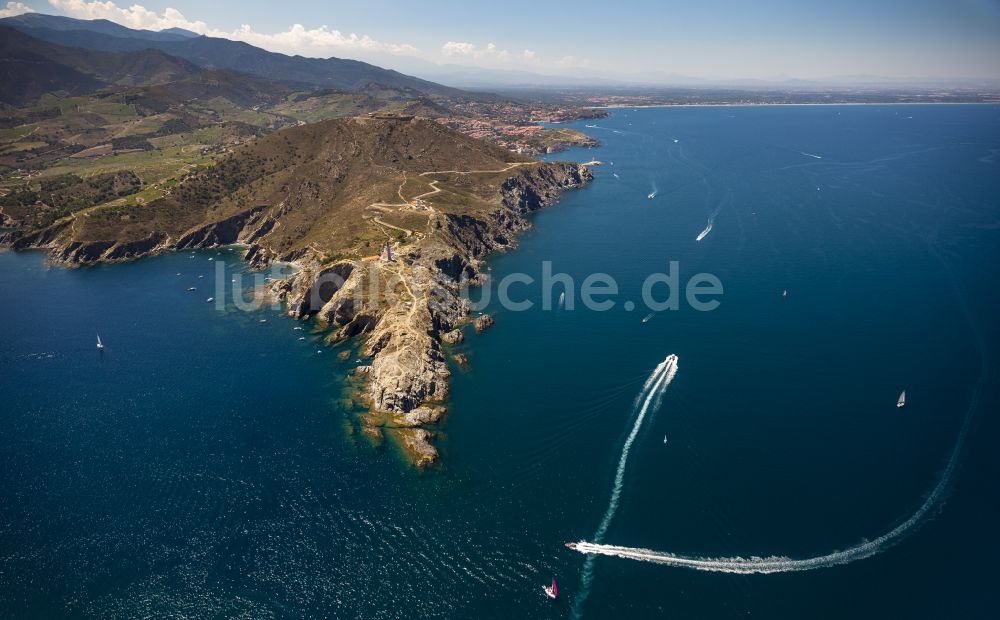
329, 198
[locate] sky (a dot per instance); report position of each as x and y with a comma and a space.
709, 39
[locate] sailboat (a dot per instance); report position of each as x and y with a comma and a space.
664, 440
551, 591
562, 299
902, 399
100, 345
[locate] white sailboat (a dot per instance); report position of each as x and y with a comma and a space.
100, 345
902, 399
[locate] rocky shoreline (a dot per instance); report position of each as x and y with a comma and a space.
406, 325
405, 336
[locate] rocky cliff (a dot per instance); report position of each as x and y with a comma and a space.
418, 306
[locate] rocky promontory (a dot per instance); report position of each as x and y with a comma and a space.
384, 219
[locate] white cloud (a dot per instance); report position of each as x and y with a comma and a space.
296, 40
453, 49
528, 55
15, 8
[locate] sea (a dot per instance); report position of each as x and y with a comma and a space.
209, 461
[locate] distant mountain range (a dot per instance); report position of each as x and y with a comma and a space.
212, 53
32, 67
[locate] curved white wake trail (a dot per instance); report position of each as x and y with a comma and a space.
781, 564
651, 393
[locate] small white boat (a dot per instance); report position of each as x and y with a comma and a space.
201, 276
551, 591
784, 293
646, 318
676, 140
263, 321
902, 400
651, 195
191, 288
664, 440
100, 345
210, 300
211, 258
302, 337
562, 299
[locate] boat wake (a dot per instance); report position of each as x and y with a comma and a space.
707, 230
811, 155
863, 550
648, 400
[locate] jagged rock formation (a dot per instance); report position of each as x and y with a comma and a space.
310, 194
483, 322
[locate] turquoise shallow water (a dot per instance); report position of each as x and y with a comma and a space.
206, 466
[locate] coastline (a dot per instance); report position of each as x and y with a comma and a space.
407, 378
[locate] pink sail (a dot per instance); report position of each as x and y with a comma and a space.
555, 589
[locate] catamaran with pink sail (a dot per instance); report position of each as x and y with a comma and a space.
551, 591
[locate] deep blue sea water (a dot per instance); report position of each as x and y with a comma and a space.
207, 465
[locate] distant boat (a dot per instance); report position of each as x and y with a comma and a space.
562, 299
902, 400
784, 293
100, 345
705, 232
646, 318
664, 440
210, 300
551, 591
191, 288
676, 140
263, 321
651, 195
